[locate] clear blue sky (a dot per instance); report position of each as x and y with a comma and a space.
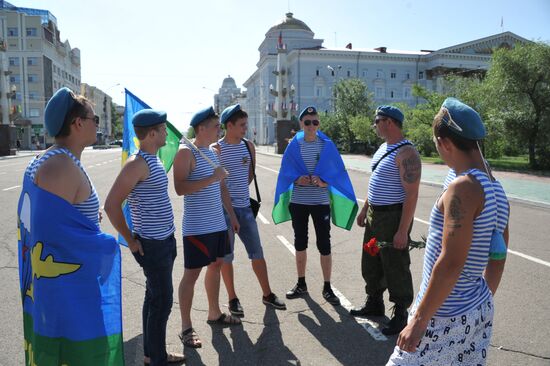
170, 53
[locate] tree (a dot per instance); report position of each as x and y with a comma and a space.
190, 133
116, 123
352, 100
518, 87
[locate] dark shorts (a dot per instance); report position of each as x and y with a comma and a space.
201, 250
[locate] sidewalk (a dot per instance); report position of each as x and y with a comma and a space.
523, 187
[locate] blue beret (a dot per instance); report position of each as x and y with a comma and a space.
463, 119
148, 117
307, 111
56, 110
391, 112
228, 112
202, 115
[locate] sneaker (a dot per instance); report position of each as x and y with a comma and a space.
331, 297
397, 322
274, 301
297, 291
235, 307
371, 308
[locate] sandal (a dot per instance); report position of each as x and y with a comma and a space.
190, 338
225, 320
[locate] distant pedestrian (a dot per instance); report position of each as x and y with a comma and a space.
238, 157
451, 320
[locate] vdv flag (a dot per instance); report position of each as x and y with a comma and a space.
330, 168
130, 144
70, 282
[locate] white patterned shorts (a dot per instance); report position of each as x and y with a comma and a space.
460, 340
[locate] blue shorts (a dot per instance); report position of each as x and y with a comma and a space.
201, 250
248, 233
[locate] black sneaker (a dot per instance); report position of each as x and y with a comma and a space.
371, 308
397, 322
235, 307
331, 297
274, 301
297, 291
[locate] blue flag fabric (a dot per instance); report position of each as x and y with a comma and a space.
70, 281
330, 169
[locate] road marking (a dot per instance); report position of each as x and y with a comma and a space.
416, 218
263, 219
528, 257
10, 188
370, 326
266, 168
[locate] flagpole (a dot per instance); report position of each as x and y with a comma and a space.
203, 155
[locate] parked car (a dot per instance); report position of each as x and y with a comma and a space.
116, 143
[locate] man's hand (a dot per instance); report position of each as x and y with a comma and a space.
304, 180
219, 173
235, 224
410, 337
316, 181
400, 240
135, 246
362, 217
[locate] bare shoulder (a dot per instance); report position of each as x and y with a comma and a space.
136, 167
467, 191
410, 166
408, 152
60, 175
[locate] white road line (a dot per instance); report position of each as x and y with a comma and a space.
528, 257
370, 326
263, 219
266, 168
10, 188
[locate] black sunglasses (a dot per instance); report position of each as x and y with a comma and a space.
308, 122
94, 118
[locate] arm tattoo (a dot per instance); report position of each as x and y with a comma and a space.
455, 214
411, 168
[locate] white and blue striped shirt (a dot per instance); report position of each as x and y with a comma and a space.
471, 289
150, 207
203, 210
236, 160
310, 195
385, 187
90, 207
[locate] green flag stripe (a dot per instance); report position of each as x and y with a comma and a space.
343, 211
168, 152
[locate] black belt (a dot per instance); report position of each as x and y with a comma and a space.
394, 207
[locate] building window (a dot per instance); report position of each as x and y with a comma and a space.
32, 32
318, 91
393, 75
14, 61
332, 72
349, 73
379, 74
317, 72
18, 96
13, 32
408, 76
34, 112
421, 75
33, 95
379, 92
32, 78
15, 79
32, 61
364, 73
406, 93
393, 94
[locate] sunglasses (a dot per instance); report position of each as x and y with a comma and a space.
94, 118
308, 122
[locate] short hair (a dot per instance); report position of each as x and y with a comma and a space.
78, 110
205, 122
440, 129
142, 132
236, 116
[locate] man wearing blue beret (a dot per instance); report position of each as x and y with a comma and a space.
69, 269
199, 177
237, 156
144, 183
387, 216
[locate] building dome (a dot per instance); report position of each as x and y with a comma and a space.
289, 23
229, 83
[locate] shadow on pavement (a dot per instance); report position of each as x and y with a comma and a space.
346, 340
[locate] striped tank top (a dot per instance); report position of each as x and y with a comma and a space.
150, 206
385, 186
90, 207
310, 195
203, 210
236, 160
471, 288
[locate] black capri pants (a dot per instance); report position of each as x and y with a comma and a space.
321, 221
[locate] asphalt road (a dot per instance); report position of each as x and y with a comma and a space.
311, 331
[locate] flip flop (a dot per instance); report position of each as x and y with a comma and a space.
225, 320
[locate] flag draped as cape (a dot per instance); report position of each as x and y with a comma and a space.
69, 275
330, 168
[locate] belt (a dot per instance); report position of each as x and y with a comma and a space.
394, 207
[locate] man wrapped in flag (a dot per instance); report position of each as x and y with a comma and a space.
69, 270
313, 181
